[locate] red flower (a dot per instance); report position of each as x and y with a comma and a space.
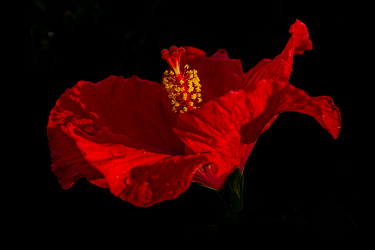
122, 133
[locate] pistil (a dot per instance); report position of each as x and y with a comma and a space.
183, 88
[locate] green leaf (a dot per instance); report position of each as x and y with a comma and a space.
232, 193
230, 198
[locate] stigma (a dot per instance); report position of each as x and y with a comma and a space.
183, 88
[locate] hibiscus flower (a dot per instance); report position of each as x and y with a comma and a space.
147, 141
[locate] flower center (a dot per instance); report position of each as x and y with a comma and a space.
183, 88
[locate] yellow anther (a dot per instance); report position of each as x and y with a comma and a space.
186, 66
185, 109
191, 103
171, 73
193, 96
199, 99
194, 107
166, 72
176, 104
190, 89
191, 76
184, 96
199, 94
198, 89
182, 82
181, 111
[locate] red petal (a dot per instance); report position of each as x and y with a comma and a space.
115, 110
281, 67
286, 97
214, 127
192, 53
133, 107
140, 177
68, 165
301, 36
269, 123
331, 115
218, 74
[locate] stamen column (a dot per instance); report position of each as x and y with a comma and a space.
183, 88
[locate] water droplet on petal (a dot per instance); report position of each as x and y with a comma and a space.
143, 150
155, 176
118, 176
128, 181
117, 152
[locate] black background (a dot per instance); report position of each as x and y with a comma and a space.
297, 179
